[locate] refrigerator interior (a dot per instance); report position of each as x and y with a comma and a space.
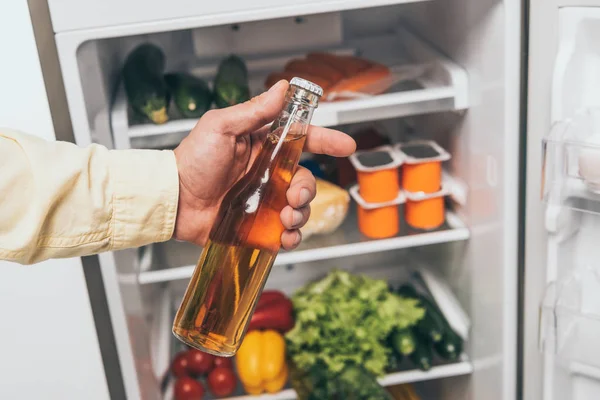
466, 99
569, 312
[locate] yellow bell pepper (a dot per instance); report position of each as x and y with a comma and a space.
260, 362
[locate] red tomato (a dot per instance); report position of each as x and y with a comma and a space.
221, 381
223, 362
187, 388
179, 366
199, 363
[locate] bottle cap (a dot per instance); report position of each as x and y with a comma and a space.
307, 85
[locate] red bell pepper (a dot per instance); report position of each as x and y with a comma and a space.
273, 311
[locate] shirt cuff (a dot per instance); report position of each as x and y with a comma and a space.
145, 187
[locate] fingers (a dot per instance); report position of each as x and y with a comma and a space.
329, 141
294, 218
249, 116
303, 188
291, 239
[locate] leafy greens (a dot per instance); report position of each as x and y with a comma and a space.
345, 319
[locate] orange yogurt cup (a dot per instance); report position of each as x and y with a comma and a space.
422, 165
425, 211
377, 173
377, 220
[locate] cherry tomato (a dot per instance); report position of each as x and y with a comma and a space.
179, 366
223, 362
199, 363
221, 381
187, 388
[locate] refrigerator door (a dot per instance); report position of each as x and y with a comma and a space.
562, 278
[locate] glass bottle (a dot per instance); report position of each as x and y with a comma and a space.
246, 236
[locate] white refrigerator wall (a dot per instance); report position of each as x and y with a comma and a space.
48, 343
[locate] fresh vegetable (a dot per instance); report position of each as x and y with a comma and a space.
345, 319
187, 388
221, 381
353, 378
260, 362
191, 95
433, 325
231, 82
199, 362
352, 383
403, 342
394, 361
145, 87
422, 356
223, 362
179, 365
273, 311
450, 347
355, 383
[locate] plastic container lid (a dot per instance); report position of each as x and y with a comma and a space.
422, 151
307, 85
420, 196
400, 199
377, 159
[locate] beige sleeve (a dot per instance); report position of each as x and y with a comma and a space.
58, 200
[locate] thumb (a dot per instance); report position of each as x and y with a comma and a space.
251, 115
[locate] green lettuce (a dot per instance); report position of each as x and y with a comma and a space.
345, 319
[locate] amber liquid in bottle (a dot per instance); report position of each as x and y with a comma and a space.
244, 242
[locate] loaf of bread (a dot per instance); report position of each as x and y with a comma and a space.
328, 209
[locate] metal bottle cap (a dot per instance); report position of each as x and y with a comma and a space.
307, 85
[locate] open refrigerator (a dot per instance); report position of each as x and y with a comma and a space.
511, 272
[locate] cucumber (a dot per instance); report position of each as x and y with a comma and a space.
422, 356
403, 342
231, 82
191, 95
450, 347
146, 90
394, 361
432, 325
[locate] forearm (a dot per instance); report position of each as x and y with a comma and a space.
58, 200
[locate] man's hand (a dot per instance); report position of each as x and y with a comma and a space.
221, 149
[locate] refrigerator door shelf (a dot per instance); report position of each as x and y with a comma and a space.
571, 163
570, 319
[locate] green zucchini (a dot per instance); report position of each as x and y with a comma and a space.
145, 87
422, 356
191, 95
394, 361
231, 82
403, 342
433, 324
450, 347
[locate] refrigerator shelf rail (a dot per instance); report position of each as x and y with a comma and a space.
176, 261
344, 242
442, 86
